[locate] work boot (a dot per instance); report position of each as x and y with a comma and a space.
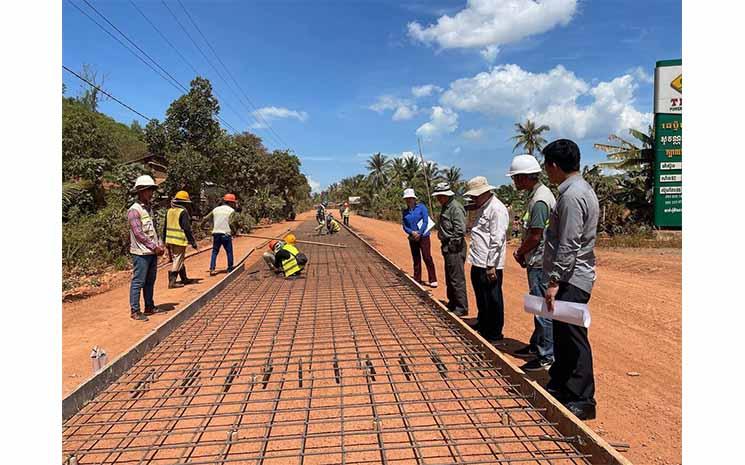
138, 316
184, 279
172, 280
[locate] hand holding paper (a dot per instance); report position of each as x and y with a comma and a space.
569, 312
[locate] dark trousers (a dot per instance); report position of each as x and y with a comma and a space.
346, 221
421, 249
490, 320
221, 240
571, 374
455, 279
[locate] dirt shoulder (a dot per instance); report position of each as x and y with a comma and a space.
103, 319
636, 327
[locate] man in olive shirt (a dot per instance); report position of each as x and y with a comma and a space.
451, 230
525, 173
569, 266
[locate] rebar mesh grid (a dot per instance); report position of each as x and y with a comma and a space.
346, 365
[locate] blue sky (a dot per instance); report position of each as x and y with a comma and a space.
340, 80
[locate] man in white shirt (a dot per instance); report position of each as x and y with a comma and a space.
223, 229
486, 255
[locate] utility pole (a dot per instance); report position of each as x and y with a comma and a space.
426, 178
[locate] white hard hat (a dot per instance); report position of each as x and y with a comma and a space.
524, 164
144, 182
409, 194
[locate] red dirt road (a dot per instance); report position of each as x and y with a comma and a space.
103, 320
636, 327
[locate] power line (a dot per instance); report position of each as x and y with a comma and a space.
170, 79
187, 62
206, 58
256, 111
104, 92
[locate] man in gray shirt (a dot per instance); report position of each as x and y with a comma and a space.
451, 230
569, 267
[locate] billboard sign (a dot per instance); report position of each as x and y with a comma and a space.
668, 144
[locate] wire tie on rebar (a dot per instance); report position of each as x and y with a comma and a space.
370, 368
579, 440
268, 368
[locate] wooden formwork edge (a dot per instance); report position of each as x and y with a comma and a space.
567, 423
91, 387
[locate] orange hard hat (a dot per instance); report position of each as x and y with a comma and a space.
229, 198
272, 244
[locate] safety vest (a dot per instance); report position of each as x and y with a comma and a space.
290, 265
335, 226
148, 228
346, 212
221, 219
174, 234
540, 193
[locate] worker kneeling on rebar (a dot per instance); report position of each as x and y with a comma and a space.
285, 258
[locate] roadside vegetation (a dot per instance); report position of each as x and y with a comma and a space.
100, 163
623, 185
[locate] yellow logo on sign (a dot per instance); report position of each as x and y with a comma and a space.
677, 83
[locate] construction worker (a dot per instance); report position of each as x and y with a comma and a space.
569, 267
451, 230
525, 172
285, 257
332, 226
224, 227
145, 247
516, 226
345, 214
178, 234
486, 255
320, 213
415, 219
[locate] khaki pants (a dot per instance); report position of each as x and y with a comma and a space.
179, 254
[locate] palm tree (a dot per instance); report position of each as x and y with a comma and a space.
625, 154
378, 165
411, 169
397, 171
529, 136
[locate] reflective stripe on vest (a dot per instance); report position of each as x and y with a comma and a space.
174, 234
148, 228
335, 226
290, 266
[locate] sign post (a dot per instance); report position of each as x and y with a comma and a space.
668, 144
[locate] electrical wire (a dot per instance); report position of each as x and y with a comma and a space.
104, 92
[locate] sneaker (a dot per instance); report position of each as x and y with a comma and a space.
538, 364
213, 272
493, 338
433, 284
459, 312
526, 352
138, 316
152, 311
582, 411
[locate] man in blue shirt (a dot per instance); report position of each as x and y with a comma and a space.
414, 221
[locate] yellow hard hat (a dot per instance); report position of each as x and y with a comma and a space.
182, 196
290, 238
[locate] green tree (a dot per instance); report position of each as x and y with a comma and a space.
192, 118
529, 136
378, 166
626, 154
156, 138
453, 177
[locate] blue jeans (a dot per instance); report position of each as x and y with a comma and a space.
144, 271
543, 334
222, 240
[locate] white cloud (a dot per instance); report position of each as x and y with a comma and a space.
642, 75
473, 134
456, 150
488, 24
425, 90
442, 120
490, 53
550, 98
273, 113
403, 109
315, 186
407, 154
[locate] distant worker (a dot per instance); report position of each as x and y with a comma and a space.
451, 230
224, 227
516, 226
145, 247
178, 234
415, 219
321, 213
345, 214
525, 172
486, 256
569, 266
285, 258
332, 226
